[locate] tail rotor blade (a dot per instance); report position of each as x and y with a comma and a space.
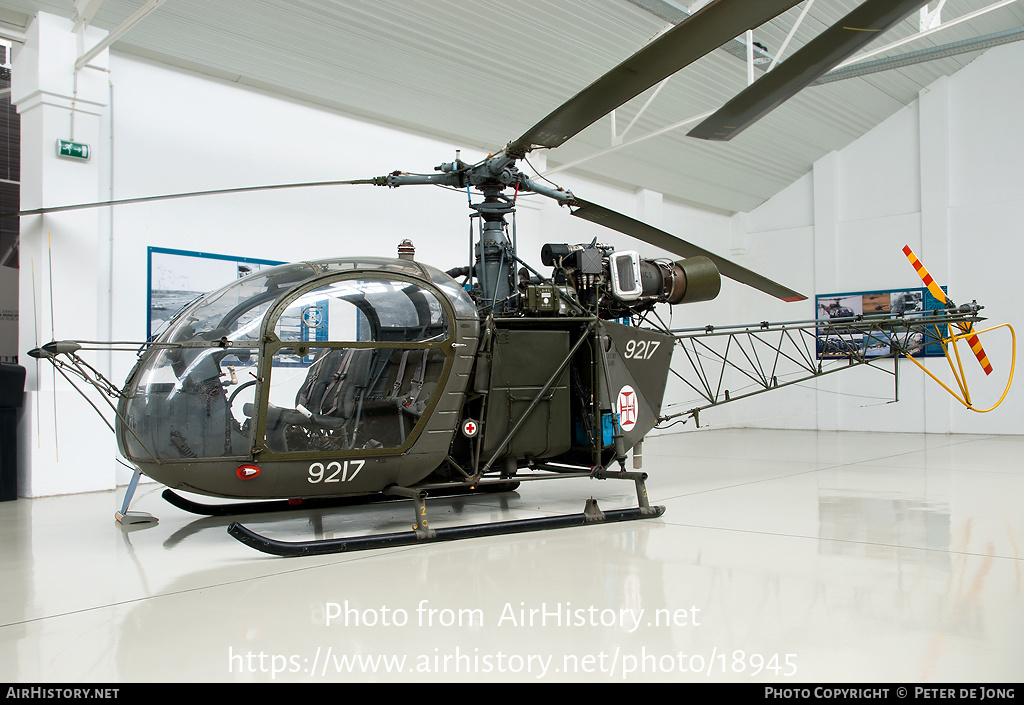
979, 352
938, 293
929, 281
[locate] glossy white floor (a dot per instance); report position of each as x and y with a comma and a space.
783, 557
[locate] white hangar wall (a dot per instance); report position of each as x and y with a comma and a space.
944, 176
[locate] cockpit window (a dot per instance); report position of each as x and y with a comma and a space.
356, 363
350, 399
364, 310
236, 311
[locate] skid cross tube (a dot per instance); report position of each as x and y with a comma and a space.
638, 479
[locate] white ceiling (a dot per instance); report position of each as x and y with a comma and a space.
481, 72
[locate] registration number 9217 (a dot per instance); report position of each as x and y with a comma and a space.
641, 349
335, 471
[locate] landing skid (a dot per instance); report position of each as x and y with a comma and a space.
422, 533
284, 505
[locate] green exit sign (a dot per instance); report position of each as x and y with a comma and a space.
72, 150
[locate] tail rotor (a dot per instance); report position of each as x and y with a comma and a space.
968, 333
966, 328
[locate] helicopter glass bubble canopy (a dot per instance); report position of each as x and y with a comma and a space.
338, 356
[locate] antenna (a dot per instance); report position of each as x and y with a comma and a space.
53, 336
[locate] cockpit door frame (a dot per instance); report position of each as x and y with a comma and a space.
270, 344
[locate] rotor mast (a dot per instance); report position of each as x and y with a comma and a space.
494, 254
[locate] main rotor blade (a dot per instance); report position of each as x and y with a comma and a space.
660, 238
697, 35
379, 181
816, 58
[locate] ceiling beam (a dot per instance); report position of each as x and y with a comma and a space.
623, 145
792, 31
117, 33
916, 57
945, 25
671, 13
85, 10
11, 32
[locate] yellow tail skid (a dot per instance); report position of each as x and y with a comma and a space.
968, 333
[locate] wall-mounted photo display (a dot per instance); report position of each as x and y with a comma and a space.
178, 277
846, 306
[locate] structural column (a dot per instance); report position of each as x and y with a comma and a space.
650, 207
826, 260
63, 446
934, 133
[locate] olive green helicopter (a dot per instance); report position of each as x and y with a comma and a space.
312, 383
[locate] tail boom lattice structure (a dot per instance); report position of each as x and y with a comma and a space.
768, 356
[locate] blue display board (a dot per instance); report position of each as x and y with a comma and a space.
176, 277
913, 302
